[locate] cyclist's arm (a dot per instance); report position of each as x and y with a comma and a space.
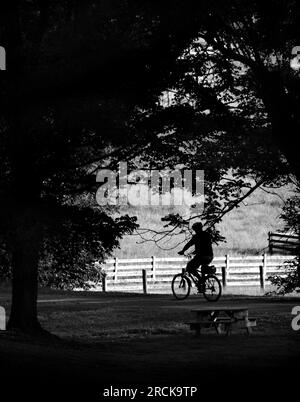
188, 245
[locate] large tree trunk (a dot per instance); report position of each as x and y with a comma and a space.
26, 240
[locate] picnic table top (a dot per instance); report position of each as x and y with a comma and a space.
220, 308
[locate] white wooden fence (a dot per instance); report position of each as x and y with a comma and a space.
155, 274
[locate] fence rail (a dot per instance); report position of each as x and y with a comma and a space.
283, 242
155, 274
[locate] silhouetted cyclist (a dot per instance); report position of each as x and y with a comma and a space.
203, 251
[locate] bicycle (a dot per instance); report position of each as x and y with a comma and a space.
210, 285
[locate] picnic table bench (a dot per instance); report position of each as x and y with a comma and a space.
222, 317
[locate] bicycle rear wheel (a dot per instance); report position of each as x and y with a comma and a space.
181, 286
212, 288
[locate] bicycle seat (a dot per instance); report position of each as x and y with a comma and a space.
209, 269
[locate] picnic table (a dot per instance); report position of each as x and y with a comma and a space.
227, 317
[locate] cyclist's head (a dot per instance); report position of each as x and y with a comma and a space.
197, 227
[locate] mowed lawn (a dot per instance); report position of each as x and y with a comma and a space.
134, 340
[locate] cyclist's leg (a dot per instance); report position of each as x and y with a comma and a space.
204, 262
192, 267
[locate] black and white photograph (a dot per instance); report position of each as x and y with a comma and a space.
149, 200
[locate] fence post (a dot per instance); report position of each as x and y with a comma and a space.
103, 282
263, 272
153, 264
262, 277
265, 266
270, 242
227, 266
116, 269
144, 274
224, 277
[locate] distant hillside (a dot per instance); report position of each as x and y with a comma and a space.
245, 228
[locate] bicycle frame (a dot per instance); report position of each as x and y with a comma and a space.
193, 277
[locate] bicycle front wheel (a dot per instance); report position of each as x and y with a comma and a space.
181, 286
212, 288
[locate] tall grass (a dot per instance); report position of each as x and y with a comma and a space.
245, 228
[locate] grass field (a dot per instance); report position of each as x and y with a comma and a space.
245, 228
138, 341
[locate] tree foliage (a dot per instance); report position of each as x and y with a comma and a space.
232, 106
291, 215
81, 79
